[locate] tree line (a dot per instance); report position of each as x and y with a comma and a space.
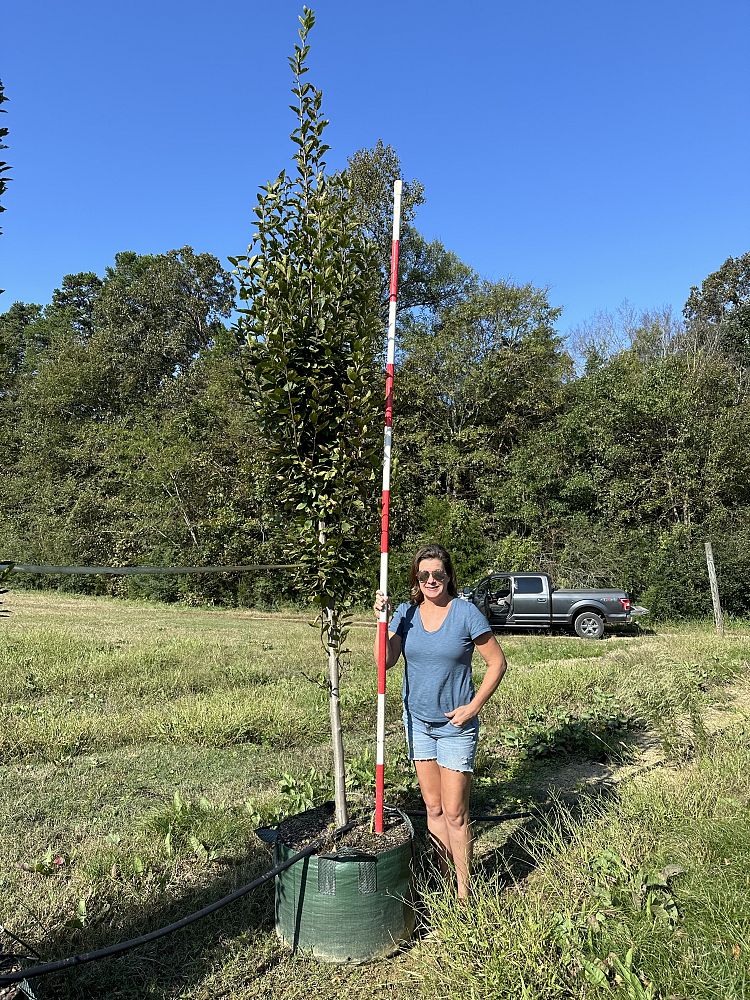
131, 434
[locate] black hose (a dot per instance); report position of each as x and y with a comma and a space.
118, 949
18, 940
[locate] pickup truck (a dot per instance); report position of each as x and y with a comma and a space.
529, 600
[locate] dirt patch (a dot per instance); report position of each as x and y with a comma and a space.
582, 776
298, 831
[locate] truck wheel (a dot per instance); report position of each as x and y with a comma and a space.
589, 625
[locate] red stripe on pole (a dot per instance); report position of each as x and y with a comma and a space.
382, 639
389, 396
385, 515
394, 270
379, 787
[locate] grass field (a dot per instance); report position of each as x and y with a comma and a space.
142, 744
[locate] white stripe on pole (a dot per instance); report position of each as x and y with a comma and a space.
387, 463
380, 754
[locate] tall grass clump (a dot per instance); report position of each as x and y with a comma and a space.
644, 898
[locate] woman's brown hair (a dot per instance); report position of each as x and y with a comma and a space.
432, 551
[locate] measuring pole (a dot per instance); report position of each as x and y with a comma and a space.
385, 509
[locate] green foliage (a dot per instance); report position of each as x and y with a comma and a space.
598, 728
129, 436
200, 828
430, 277
309, 324
680, 578
718, 313
309, 321
301, 792
400, 779
615, 892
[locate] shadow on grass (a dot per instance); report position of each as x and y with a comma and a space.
558, 793
235, 936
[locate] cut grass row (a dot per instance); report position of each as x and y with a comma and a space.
109, 708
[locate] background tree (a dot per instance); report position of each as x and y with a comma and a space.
430, 277
718, 313
310, 321
113, 380
476, 378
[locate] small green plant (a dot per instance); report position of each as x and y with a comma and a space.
202, 828
302, 792
587, 936
399, 775
50, 863
360, 772
255, 814
596, 729
202, 850
79, 919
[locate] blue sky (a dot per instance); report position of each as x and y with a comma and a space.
601, 149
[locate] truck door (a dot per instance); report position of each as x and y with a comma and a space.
498, 599
531, 601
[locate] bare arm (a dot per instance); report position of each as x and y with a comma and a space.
393, 650
493, 656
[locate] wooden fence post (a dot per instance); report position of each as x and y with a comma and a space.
718, 616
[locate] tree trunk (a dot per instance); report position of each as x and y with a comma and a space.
714, 583
334, 705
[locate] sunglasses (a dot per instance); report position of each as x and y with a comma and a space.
439, 575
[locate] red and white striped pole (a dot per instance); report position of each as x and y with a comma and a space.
385, 509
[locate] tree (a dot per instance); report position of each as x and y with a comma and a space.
310, 319
430, 277
718, 313
475, 381
155, 314
124, 428
77, 298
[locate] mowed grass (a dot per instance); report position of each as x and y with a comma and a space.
142, 744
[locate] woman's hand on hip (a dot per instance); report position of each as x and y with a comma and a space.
461, 715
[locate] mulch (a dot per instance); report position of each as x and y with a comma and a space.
296, 832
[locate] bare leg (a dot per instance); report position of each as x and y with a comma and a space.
430, 785
455, 787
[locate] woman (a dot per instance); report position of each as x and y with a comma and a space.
437, 634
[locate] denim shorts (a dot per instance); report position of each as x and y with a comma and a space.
453, 747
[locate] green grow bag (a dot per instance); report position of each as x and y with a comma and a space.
348, 906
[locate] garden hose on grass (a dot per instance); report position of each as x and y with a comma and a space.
123, 946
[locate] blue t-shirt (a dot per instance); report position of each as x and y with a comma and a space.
437, 665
